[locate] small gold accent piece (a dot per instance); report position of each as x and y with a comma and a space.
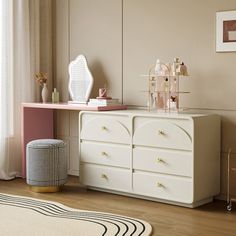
45, 189
104, 128
161, 132
104, 176
160, 185
159, 160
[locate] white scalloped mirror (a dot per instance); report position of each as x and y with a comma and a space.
80, 81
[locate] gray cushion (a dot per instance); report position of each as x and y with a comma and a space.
46, 162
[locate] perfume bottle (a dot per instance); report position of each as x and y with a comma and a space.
55, 96
165, 85
173, 87
183, 69
152, 93
160, 101
176, 66
158, 68
172, 103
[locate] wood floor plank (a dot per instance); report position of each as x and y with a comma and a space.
208, 220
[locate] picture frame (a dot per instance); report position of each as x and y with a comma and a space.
226, 31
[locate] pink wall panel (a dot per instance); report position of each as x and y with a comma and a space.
37, 123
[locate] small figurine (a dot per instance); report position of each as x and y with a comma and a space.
172, 102
183, 69
158, 68
176, 66
102, 92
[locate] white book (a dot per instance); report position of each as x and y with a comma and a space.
103, 102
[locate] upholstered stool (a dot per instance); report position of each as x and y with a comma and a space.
46, 165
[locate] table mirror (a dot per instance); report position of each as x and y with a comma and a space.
80, 81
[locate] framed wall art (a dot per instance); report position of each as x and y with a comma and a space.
226, 31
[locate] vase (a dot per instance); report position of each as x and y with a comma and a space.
44, 93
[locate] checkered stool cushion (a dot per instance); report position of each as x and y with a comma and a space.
46, 162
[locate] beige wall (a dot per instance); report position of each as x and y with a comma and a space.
121, 39
61, 47
95, 31
181, 28
45, 40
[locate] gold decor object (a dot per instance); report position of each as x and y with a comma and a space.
45, 189
161, 132
104, 176
160, 185
104, 128
159, 160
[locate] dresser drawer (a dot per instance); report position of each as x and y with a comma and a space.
105, 154
105, 177
163, 161
163, 187
105, 128
163, 134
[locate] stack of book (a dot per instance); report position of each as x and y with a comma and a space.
104, 102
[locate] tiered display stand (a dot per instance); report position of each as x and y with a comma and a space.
163, 89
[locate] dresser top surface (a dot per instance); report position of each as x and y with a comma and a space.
140, 112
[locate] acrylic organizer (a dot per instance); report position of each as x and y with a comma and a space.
163, 85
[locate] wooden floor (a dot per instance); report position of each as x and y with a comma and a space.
211, 219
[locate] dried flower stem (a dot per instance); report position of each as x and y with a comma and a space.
41, 78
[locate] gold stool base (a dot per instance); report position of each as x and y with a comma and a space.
45, 189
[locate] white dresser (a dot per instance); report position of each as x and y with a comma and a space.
172, 158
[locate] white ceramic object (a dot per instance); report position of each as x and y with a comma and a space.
80, 81
44, 93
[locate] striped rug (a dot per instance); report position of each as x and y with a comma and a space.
29, 216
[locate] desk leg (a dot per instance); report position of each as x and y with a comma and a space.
37, 123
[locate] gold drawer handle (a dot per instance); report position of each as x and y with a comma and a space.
104, 128
159, 160
160, 185
103, 176
161, 132
104, 154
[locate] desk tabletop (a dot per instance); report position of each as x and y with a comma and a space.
72, 106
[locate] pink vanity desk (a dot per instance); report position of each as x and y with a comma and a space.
37, 121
